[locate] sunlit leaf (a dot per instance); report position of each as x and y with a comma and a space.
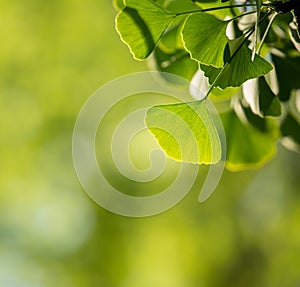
118, 4
238, 70
206, 4
186, 132
247, 146
171, 40
169, 56
180, 6
141, 25
205, 38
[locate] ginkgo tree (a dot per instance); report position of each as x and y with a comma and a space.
243, 52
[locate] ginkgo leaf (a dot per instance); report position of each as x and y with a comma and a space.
186, 132
141, 25
171, 40
204, 36
269, 103
247, 146
118, 4
239, 69
181, 6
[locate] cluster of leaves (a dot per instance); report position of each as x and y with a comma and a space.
244, 52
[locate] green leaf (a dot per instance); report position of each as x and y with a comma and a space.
261, 98
181, 6
266, 125
171, 40
288, 75
170, 57
206, 1
178, 63
269, 103
186, 132
204, 36
141, 25
118, 4
222, 13
247, 146
239, 69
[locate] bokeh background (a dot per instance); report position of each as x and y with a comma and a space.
53, 56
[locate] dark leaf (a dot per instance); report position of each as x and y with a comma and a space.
288, 75
240, 69
260, 98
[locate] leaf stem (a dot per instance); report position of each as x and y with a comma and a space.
232, 9
241, 15
258, 3
228, 62
215, 8
266, 32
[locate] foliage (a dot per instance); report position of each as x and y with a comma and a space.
54, 54
252, 45
183, 134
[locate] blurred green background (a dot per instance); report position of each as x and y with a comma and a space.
53, 56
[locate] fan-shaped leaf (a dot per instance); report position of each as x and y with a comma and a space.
205, 38
238, 70
141, 25
186, 132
